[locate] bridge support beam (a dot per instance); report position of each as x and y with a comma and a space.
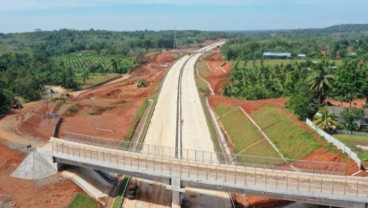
176, 192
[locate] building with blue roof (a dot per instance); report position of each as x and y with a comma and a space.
276, 55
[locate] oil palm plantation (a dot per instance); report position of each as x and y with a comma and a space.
325, 120
320, 80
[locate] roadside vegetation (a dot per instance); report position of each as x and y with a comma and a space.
293, 141
352, 141
244, 135
81, 201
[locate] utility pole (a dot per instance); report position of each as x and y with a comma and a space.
174, 45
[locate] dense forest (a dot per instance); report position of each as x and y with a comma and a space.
28, 61
336, 65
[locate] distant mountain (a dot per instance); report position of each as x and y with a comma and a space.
335, 31
347, 28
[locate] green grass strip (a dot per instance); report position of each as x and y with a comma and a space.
123, 187
81, 201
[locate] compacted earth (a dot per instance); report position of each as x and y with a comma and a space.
54, 191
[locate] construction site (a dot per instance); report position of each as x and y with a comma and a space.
123, 114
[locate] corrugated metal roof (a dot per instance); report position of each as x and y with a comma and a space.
277, 54
336, 110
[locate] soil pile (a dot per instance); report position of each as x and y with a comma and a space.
54, 191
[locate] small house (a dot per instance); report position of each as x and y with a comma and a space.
302, 56
336, 110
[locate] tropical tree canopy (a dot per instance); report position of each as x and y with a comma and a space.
320, 80
325, 120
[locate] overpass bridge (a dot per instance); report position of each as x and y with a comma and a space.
196, 169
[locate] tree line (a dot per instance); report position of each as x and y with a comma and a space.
33, 59
307, 84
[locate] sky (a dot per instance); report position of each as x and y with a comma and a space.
212, 15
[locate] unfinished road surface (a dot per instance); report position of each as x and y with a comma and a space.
178, 120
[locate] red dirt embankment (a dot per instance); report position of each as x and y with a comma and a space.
219, 71
25, 193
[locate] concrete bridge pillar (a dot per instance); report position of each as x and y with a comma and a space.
176, 192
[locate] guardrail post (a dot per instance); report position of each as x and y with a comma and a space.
188, 169
225, 173
216, 173
211, 157
266, 179
298, 184
245, 177
235, 176
161, 165
130, 159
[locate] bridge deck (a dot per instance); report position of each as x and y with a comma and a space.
343, 191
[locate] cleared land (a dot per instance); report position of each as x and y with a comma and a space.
55, 190
245, 137
352, 141
96, 79
292, 141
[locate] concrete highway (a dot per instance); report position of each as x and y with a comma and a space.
178, 120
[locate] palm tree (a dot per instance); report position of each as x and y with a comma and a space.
325, 120
320, 80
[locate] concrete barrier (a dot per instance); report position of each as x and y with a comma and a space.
337, 143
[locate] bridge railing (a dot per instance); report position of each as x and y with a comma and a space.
211, 157
221, 176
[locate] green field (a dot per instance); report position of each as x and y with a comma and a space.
96, 79
82, 61
290, 139
81, 201
353, 140
244, 135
